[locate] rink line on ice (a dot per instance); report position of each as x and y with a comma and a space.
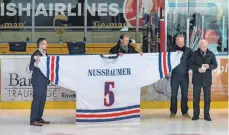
71, 105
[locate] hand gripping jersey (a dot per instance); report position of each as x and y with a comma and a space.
108, 90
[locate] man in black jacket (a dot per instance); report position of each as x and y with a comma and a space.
180, 77
39, 84
202, 62
123, 46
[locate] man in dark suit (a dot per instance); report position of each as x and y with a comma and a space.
39, 84
180, 77
202, 62
123, 46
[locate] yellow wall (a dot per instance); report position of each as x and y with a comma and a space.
144, 105
54, 48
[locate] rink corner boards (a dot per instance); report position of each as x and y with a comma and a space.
72, 105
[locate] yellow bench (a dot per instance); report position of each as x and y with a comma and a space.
54, 48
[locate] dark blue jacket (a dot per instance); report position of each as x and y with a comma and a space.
183, 68
37, 75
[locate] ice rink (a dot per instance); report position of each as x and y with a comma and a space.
153, 122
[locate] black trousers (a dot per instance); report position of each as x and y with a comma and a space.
196, 100
38, 103
183, 82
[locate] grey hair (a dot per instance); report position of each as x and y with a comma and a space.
203, 41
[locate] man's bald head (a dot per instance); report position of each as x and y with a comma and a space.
203, 45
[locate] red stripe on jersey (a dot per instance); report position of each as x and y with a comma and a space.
165, 63
108, 115
52, 68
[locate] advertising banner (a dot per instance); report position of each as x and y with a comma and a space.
161, 91
100, 13
16, 83
0, 81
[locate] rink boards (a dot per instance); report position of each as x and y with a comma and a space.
16, 89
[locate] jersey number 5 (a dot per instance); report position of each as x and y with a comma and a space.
109, 97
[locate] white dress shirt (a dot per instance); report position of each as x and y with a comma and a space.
43, 54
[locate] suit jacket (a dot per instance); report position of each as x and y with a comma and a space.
37, 76
196, 62
183, 68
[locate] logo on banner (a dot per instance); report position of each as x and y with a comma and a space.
27, 70
68, 95
16, 83
130, 11
60, 23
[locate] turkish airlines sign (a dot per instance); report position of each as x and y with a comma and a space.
103, 8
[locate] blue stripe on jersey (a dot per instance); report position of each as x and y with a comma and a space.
108, 110
169, 61
108, 120
48, 65
57, 70
159, 63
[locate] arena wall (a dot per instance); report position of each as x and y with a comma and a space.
16, 89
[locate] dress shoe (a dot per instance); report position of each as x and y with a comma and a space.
172, 115
43, 121
195, 118
35, 123
186, 115
208, 118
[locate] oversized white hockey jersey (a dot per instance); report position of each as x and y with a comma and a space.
108, 90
